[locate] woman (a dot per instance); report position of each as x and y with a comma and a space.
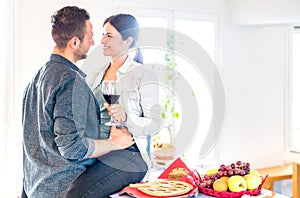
138, 107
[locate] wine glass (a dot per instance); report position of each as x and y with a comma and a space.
111, 93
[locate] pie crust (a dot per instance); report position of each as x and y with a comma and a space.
164, 188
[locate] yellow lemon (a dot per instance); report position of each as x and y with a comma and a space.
212, 171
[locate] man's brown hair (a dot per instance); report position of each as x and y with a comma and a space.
67, 23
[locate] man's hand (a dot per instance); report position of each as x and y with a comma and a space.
117, 111
121, 138
118, 139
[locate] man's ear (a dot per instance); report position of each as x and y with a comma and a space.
74, 42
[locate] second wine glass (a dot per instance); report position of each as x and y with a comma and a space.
111, 93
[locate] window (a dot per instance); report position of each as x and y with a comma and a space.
204, 33
2, 51
295, 119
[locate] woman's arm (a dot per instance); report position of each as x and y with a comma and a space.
149, 120
119, 139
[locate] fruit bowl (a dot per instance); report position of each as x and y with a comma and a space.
227, 194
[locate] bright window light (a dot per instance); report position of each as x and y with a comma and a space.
203, 32
295, 138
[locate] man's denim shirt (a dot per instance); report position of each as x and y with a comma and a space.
60, 117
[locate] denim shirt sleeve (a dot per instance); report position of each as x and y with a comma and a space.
91, 148
75, 119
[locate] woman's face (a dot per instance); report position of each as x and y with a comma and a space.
112, 42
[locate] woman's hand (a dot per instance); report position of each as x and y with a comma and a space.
117, 111
118, 139
121, 138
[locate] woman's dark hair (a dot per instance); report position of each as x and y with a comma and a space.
127, 26
68, 22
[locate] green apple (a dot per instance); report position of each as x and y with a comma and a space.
254, 172
253, 181
237, 183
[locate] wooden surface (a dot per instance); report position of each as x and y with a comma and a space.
296, 180
276, 173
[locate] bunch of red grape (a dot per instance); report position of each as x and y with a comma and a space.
238, 168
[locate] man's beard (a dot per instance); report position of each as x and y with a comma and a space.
78, 55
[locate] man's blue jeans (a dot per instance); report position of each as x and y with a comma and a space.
110, 174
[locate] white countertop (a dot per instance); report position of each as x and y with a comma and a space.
154, 173
264, 193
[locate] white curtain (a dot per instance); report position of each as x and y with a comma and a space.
10, 138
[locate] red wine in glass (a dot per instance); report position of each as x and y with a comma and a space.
111, 93
111, 99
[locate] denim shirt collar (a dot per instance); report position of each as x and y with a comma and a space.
59, 58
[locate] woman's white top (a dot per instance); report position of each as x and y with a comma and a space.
140, 100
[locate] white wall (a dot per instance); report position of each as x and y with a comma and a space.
33, 25
264, 11
252, 64
254, 69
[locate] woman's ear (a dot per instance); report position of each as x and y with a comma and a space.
129, 41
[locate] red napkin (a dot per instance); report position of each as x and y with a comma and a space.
178, 163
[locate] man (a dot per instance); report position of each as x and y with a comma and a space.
61, 118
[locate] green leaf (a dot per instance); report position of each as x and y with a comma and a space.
176, 115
